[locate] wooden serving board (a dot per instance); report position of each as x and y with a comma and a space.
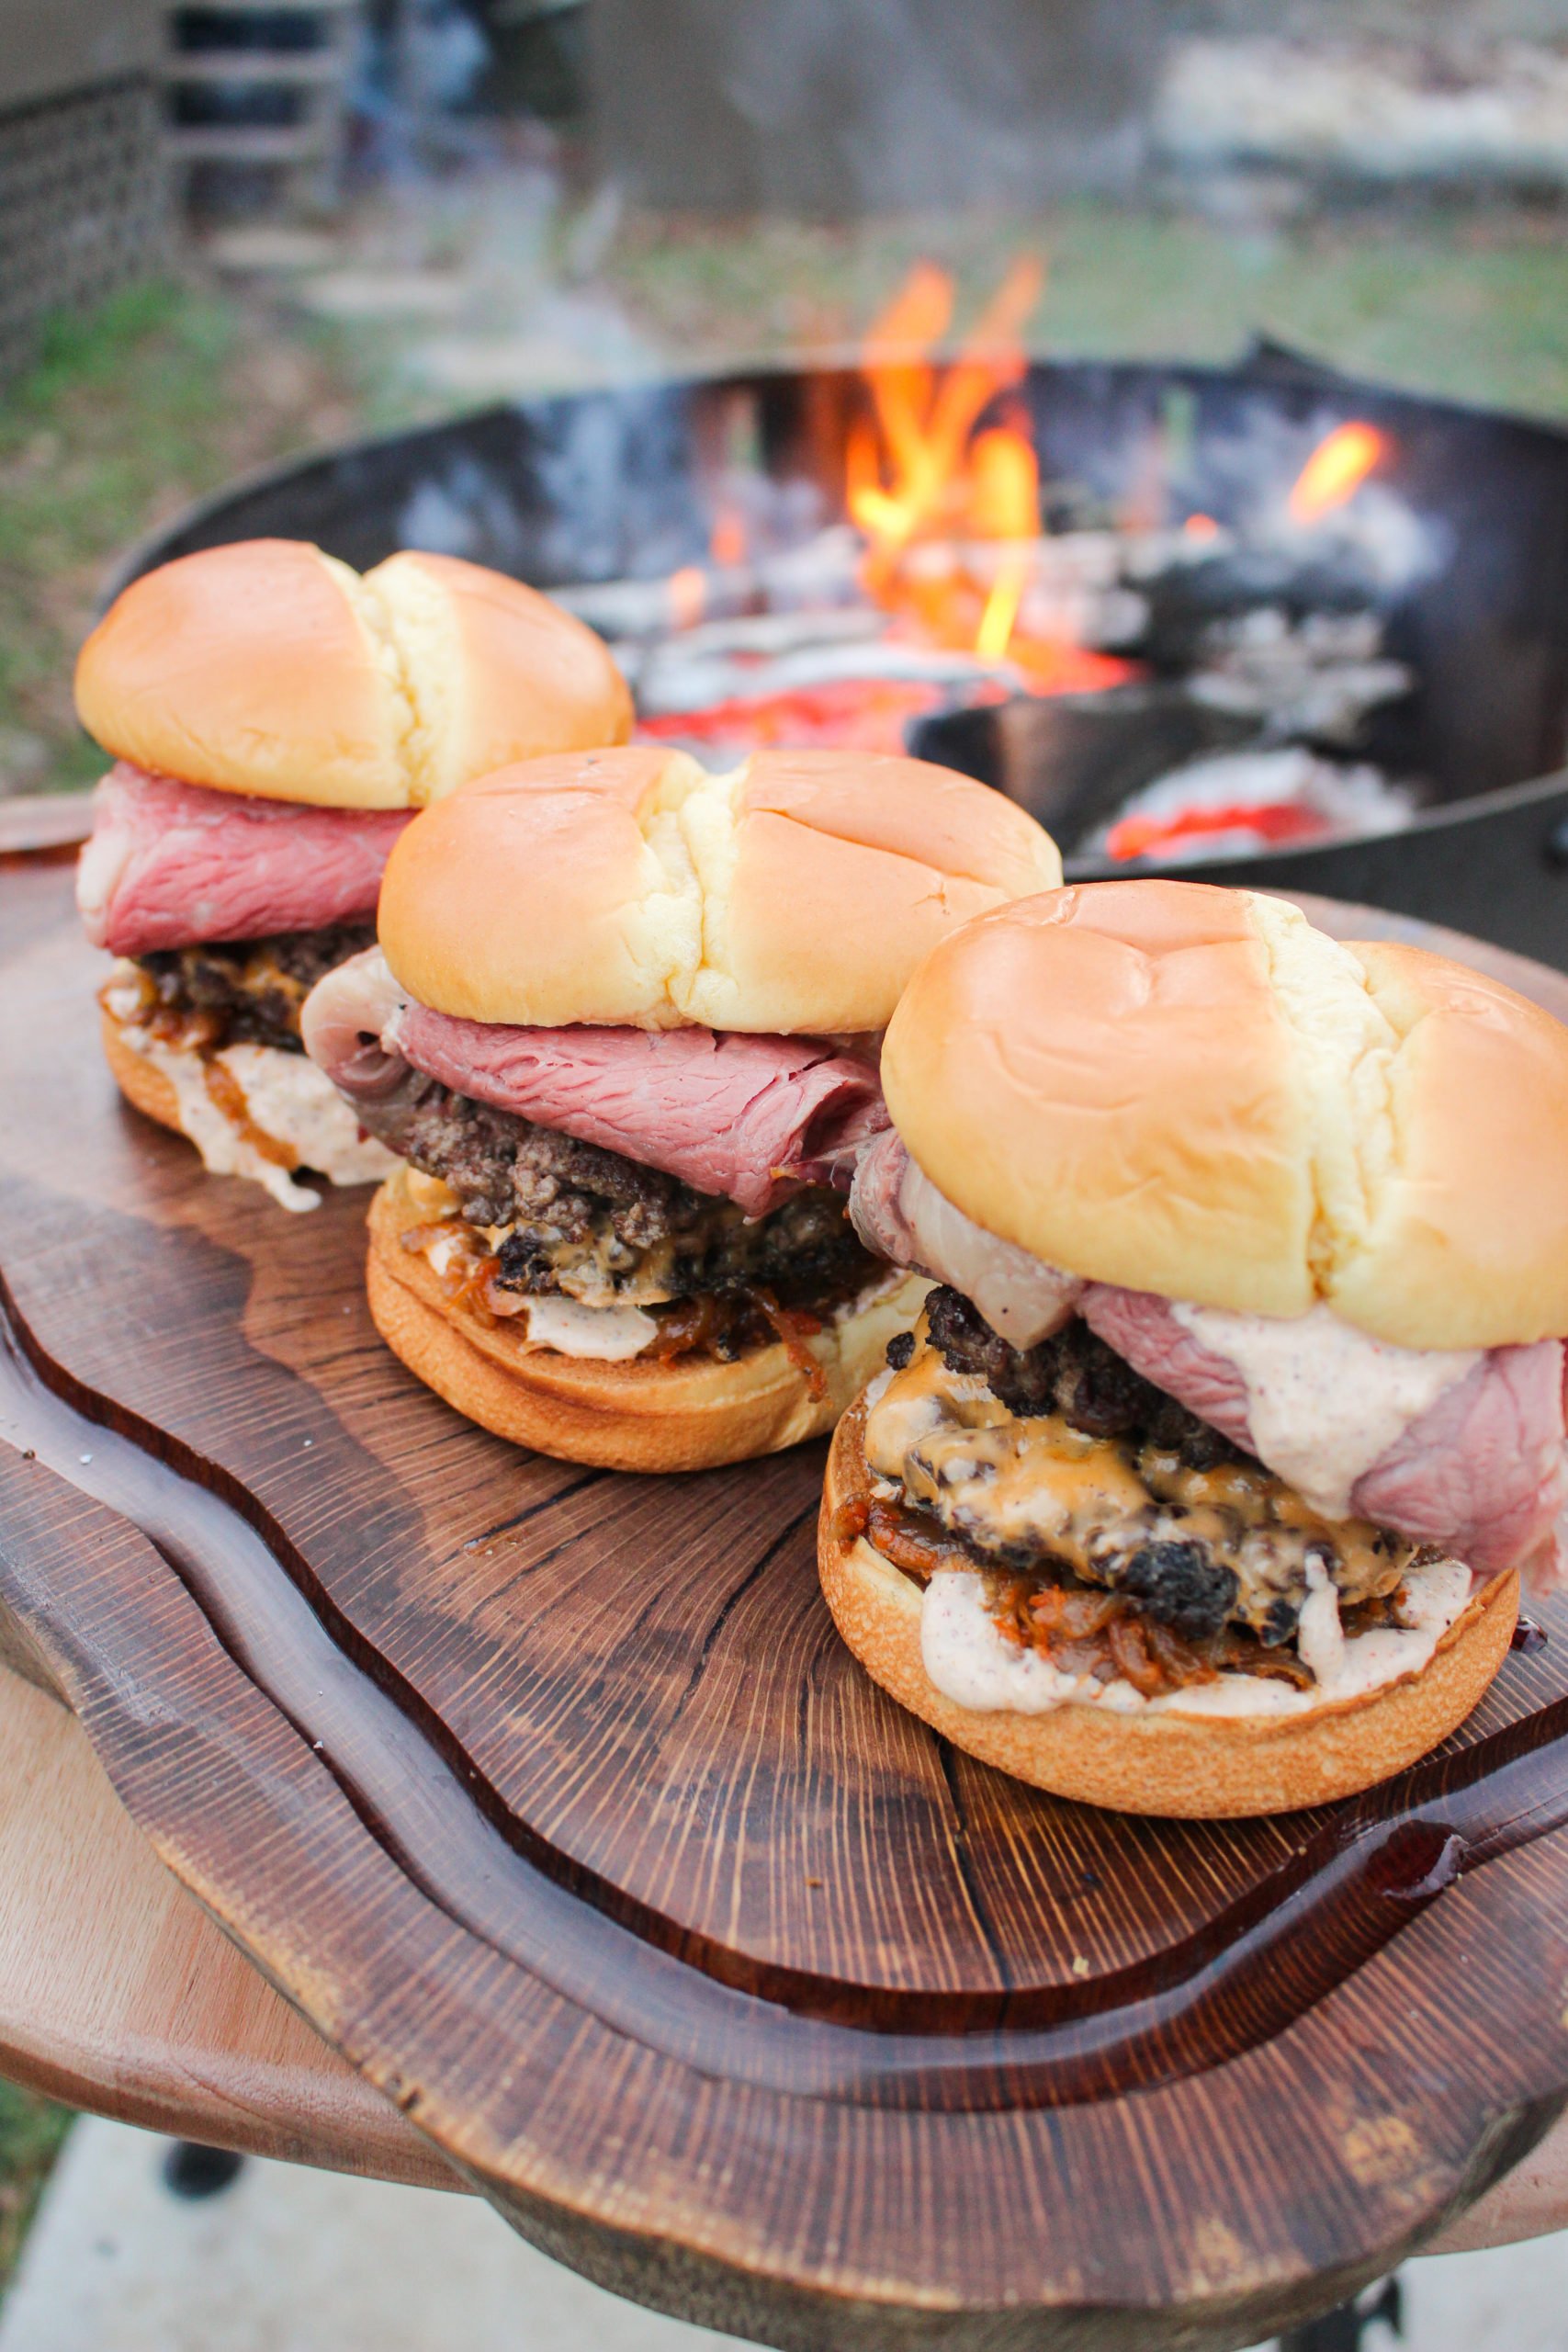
552, 1800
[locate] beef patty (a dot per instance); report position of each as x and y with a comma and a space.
1162, 1510
245, 991
570, 1217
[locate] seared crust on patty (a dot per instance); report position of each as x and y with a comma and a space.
563, 1215
689, 1414
248, 991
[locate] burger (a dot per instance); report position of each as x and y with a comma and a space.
622, 1027
274, 719
1206, 1480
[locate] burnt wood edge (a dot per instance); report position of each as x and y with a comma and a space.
1346, 1894
46, 826
681, 2279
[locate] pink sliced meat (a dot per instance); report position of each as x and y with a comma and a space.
899, 1214
747, 1118
1483, 1470
170, 864
1142, 1328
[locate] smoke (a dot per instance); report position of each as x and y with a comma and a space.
841, 108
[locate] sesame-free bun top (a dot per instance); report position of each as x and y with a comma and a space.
267, 667
796, 894
1190, 1091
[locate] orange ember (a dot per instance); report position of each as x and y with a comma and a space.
1336, 470
688, 594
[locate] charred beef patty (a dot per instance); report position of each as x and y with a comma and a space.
244, 992
561, 1216
1089, 1500
1074, 1373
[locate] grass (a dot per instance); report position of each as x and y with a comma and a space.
1469, 305
31, 2133
162, 393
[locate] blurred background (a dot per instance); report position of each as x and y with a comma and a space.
232, 233
236, 233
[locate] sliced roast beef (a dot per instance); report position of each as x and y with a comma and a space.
747, 1118
174, 865
1481, 1469
1144, 1329
1484, 1471
900, 1215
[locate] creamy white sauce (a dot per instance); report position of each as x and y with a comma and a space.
1325, 1400
972, 1662
548, 1319
287, 1097
1320, 1637
608, 1334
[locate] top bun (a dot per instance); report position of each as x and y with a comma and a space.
796, 894
269, 668
1190, 1091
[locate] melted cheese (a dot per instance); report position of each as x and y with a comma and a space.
1324, 1401
616, 1334
1018, 1487
972, 1662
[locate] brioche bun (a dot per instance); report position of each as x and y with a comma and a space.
1196, 1767
267, 667
796, 895
1190, 1091
689, 1414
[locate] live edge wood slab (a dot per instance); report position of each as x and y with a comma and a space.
550, 1798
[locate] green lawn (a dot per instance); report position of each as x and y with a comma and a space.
31, 2130
162, 394
1474, 306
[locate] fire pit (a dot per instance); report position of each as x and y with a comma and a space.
1263, 624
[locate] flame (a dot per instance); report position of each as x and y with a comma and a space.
688, 595
1005, 505
916, 468
1202, 527
727, 543
1336, 470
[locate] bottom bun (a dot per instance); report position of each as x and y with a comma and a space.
145, 1088
1197, 1766
690, 1415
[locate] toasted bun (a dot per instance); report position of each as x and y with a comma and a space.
796, 894
267, 667
146, 1088
1195, 1765
1190, 1091
690, 1415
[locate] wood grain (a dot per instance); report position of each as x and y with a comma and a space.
118, 1993
552, 1800
45, 824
